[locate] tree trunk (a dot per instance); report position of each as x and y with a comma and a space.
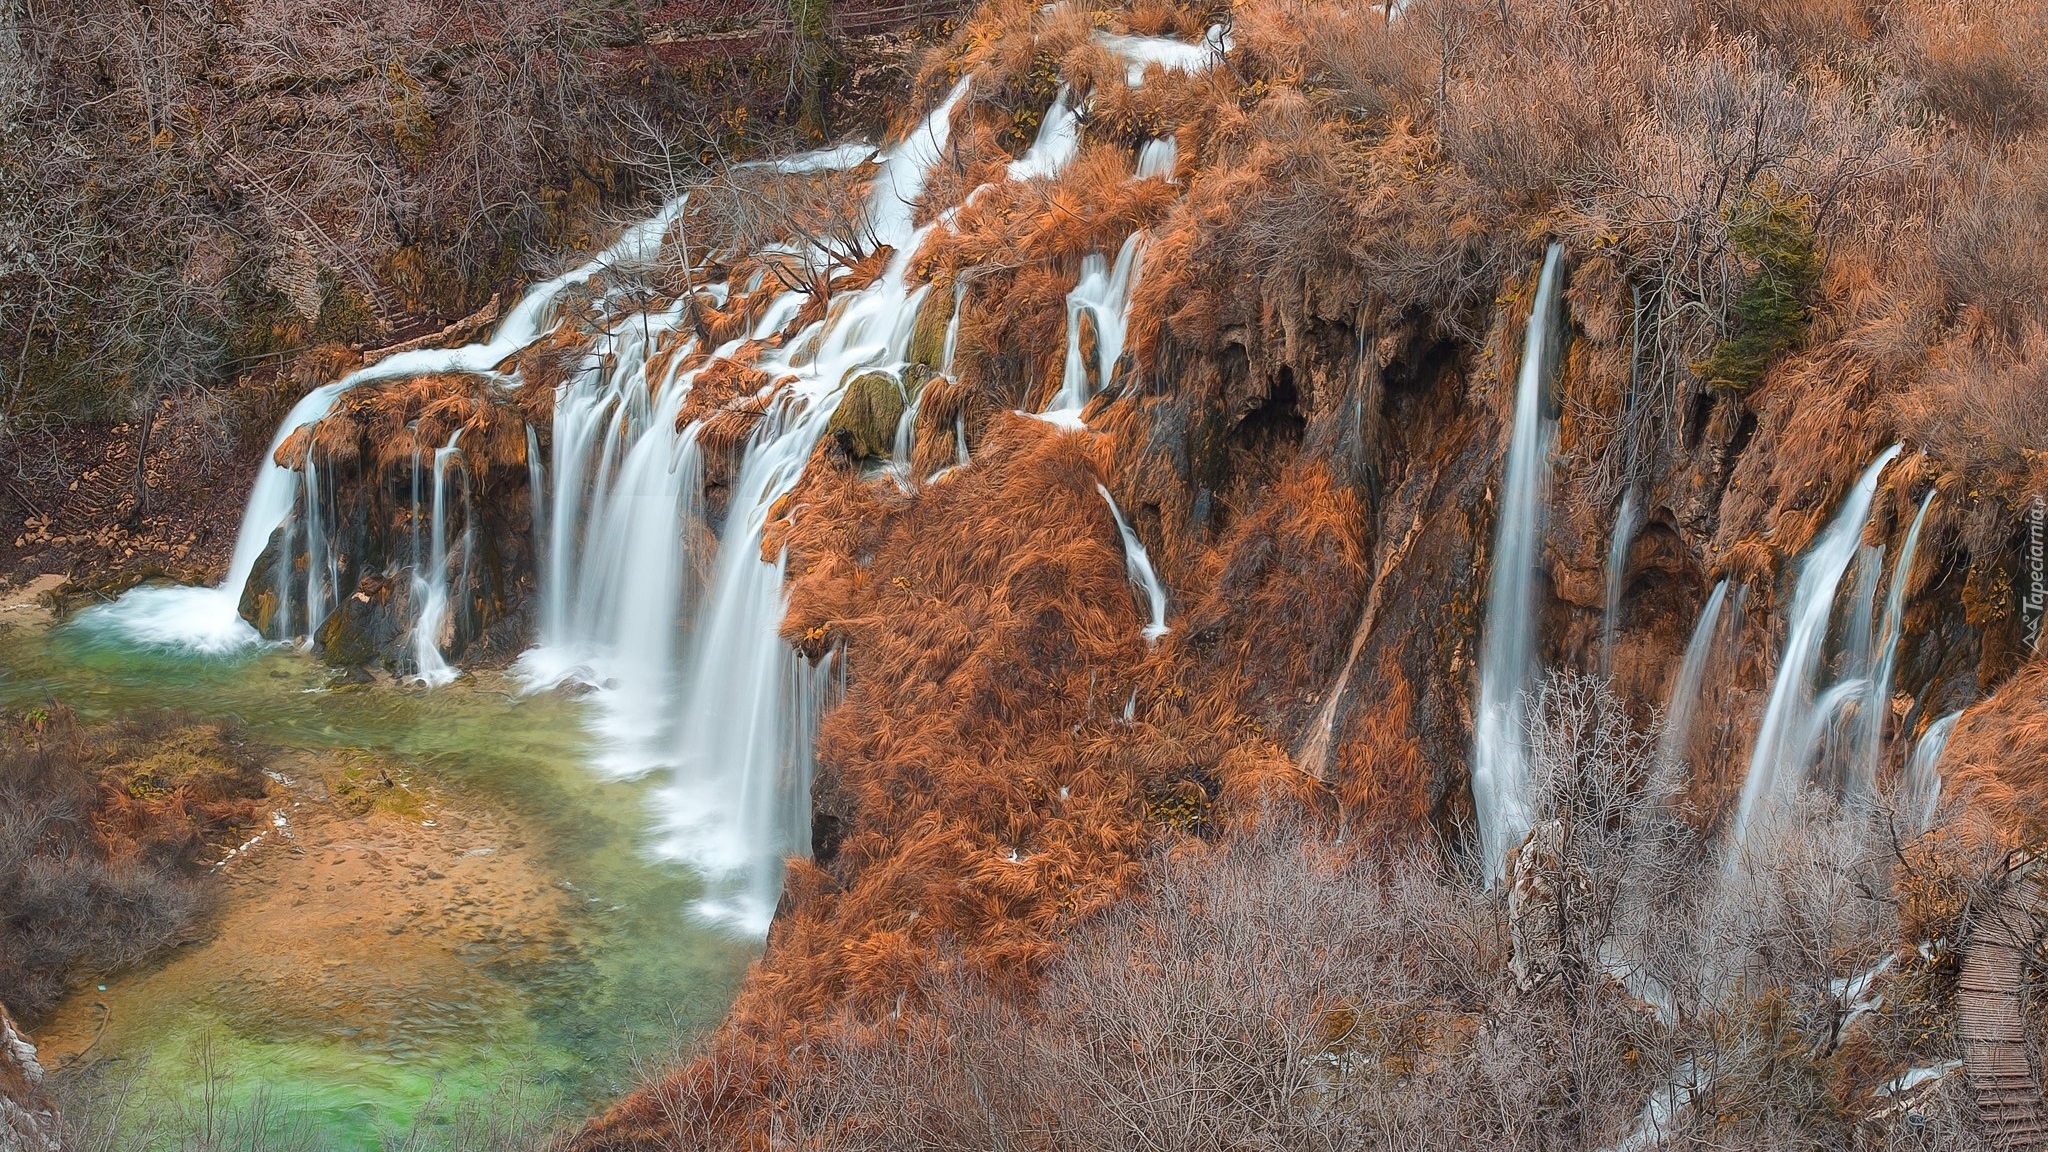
814, 63
141, 468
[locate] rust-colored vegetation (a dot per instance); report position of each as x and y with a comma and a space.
108, 828
1795, 233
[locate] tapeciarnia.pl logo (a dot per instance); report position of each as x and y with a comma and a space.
2037, 570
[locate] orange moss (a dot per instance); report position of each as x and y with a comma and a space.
1007, 746
1996, 761
385, 424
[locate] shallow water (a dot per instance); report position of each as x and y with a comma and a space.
560, 1024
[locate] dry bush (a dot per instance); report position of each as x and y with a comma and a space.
1278, 988
1982, 65
102, 833
1983, 411
1994, 759
1989, 223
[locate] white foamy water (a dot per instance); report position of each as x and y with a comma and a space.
1507, 641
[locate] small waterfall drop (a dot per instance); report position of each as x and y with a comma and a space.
1870, 737
1778, 765
430, 587
1139, 565
1627, 519
1058, 141
1104, 295
209, 620
1920, 789
1683, 702
1158, 157
1141, 52
1507, 646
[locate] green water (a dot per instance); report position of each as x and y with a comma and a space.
570, 1031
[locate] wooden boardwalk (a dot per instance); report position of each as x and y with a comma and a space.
1990, 1011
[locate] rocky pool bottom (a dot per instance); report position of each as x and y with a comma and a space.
446, 922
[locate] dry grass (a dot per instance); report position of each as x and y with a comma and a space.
102, 835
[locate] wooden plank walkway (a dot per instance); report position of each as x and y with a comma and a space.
1990, 1013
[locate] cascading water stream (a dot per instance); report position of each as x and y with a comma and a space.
1507, 647
1920, 789
1627, 519
1684, 700
1104, 295
430, 588
1870, 737
616, 585
1139, 565
738, 798
1778, 765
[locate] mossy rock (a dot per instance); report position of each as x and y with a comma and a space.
366, 784
928, 333
869, 411
344, 642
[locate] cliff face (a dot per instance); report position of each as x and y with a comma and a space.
1300, 413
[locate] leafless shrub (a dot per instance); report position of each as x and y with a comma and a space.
1281, 990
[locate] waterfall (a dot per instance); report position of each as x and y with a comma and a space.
1103, 293
208, 620
1058, 141
1139, 565
1158, 157
1777, 766
430, 588
1870, 737
1921, 788
1626, 520
697, 681
1507, 646
1684, 700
